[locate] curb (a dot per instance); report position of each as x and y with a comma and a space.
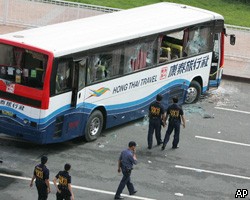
236, 78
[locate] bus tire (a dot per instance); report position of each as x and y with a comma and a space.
193, 92
94, 126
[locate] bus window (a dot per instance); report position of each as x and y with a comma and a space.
171, 46
140, 55
96, 68
198, 41
104, 65
63, 81
34, 69
22, 66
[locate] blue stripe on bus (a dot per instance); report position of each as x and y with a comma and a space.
151, 96
214, 83
88, 107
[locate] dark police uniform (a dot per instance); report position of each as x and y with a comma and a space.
127, 162
64, 179
156, 111
41, 173
174, 112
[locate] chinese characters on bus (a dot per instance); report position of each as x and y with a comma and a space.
188, 65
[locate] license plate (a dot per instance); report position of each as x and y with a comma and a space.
8, 113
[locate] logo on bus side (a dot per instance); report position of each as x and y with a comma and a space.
99, 92
123, 87
163, 73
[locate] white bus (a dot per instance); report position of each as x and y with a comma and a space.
77, 78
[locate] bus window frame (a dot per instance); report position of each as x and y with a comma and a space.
53, 83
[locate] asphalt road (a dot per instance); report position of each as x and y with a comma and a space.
213, 160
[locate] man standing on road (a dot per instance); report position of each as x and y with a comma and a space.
125, 164
176, 115
64, 189
41, 174
156, 118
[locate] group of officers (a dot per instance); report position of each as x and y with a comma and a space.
157, 117
41, 177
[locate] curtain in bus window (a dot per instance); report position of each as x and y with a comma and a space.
185, 40
82, 73
18, 56
151, 49
116, 62
6, 60
130, 55
141, 58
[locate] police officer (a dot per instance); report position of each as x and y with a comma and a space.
176, 115
156, 117
41, 174
125, 164
64, 189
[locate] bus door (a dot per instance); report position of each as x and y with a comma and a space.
217, 60
79, 81
218, 54
67, 122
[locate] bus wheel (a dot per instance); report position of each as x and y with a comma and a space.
193, 92
94, 126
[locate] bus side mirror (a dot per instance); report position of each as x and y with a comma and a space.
232, 39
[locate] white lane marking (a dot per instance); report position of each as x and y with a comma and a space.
112, 193
15, 177
224, 141
78, 187
233, 110
212, 172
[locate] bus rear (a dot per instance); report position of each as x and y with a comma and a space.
24, 90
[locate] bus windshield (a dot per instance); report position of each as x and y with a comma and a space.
22, 66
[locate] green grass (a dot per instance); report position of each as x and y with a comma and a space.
235, 12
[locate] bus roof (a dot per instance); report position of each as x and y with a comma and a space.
88, 33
